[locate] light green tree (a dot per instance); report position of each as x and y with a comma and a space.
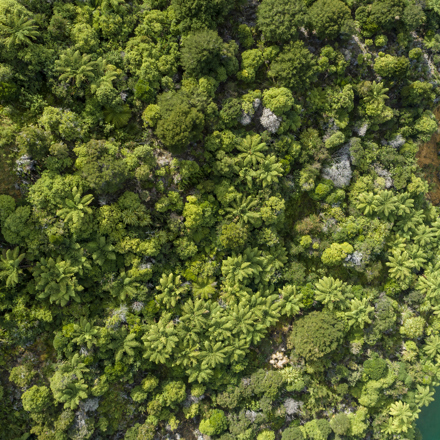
278, 100
336, 253
36, 399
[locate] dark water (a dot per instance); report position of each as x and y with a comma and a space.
429, 419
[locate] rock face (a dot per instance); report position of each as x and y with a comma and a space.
292, 406
339, 172
270, 121
386, 175
246, 119
355, 258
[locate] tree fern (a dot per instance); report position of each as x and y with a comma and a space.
19, 30
10, 266
359, 313
329, 292
117, 115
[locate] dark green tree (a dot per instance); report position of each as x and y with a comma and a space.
294, 67
202, 14
316, 335
201, 53
328, 17
280, 20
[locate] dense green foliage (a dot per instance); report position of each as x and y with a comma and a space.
222, 227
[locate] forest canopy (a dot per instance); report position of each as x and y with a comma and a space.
212, 219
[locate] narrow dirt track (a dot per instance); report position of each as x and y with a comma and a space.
429, 161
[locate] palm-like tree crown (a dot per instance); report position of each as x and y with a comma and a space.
19, 31
75, 68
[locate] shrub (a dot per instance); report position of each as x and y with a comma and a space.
7, 206
21, 375
149, 383
197, 390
